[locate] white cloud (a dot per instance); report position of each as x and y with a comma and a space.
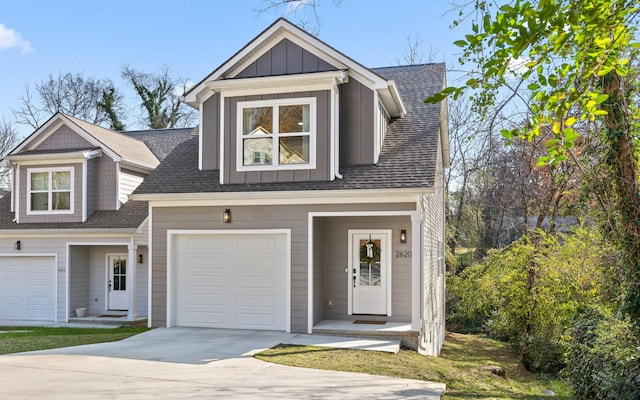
10, 38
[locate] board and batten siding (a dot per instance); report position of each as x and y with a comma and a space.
285, 58
129, 181
323, 121
210, 131
79, 278
433, 265
293, 217
335, 280
356, 124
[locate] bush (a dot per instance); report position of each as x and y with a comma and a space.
603, 360
529, 293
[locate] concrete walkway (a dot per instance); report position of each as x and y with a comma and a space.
188, 363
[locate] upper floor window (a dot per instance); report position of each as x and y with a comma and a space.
50, 190
277, 134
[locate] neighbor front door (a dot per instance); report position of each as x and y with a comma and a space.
117, 282
370, 279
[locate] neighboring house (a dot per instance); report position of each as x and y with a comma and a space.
68, 236
311, 200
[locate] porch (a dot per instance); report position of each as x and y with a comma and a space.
110, 318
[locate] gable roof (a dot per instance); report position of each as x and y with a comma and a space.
284, 29
407, 160
118, 146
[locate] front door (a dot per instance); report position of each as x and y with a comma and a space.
370, 278
117, 282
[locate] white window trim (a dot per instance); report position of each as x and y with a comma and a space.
50, 171
311, 101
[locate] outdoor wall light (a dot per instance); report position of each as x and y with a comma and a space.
17, 245
403, 236
140, 259
226, 216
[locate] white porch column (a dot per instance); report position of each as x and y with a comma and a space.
416, 275
131, 281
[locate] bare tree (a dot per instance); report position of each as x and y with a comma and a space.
72, 94
8, 140
414, 52
292, 7
159, 95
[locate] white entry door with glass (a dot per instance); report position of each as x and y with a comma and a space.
117, 282
369, 272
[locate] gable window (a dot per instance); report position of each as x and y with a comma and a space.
50, 190
276, 134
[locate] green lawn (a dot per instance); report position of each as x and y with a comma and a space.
459, 367
16, 339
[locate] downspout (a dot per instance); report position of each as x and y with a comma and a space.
335, 127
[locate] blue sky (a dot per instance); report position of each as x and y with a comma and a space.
193, 37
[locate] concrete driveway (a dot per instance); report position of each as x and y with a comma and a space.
188, 363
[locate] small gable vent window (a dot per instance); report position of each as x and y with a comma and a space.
276, 134
50, 191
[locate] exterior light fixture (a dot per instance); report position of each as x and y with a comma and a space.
140, 259
226, 216
403, 236
17, 245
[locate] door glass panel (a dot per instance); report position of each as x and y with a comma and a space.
370, 266
119, 274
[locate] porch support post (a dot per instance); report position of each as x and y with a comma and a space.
416, 276
131, 282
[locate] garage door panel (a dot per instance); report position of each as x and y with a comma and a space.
235, 281
27, 290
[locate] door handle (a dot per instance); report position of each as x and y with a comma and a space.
354, 280
109, 285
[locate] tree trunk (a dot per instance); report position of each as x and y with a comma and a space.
624, 164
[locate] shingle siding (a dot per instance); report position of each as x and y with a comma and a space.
64, 138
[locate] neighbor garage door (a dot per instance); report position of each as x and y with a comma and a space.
27, 288
231, 281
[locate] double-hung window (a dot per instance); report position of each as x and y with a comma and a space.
50, 190
276, 134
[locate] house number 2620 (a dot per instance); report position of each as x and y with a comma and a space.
403, 254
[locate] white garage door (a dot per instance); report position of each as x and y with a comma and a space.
231, 281
27, 288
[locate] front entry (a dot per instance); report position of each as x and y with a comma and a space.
369, 267
117, 282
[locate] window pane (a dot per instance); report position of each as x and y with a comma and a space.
364, 274
40, 181
61, 180
294, 150
258, 151
39, 201
61, 200
294, 118
257, 120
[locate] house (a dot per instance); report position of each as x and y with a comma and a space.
309, 199
69, 237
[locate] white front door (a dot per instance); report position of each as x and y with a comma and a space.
370, 278
117, 282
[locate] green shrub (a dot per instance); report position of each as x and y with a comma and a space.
603, 360
529, 293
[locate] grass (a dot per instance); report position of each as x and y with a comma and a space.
17, 339
459, 367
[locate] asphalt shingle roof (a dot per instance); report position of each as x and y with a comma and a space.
407, 160
163, 141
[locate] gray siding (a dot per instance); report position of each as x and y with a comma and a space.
356, 124
323, 121
64, 138
433, 266
285, 58
58, 246
211, 133
107, 195
78, 278
335, 280
92, 186
294, 217
319, 248
77, 196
